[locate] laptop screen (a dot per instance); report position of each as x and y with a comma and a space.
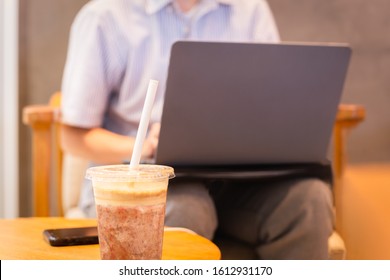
250, 103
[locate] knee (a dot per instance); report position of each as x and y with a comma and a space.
315, 192
191, 206
315, 197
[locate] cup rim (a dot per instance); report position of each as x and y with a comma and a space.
123, 173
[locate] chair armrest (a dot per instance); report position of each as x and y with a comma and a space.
41, 119
38, 115
43, 114
348, 116
351, 113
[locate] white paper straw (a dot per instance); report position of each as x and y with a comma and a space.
144, 123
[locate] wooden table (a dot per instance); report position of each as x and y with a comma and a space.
22, 239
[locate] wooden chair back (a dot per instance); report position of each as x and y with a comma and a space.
47, 156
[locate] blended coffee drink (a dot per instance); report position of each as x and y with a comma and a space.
130, 206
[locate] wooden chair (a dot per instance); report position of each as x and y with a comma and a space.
49, 163
47, 156
348, 117
51, 168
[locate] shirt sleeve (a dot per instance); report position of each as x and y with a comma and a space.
265, 27
91, 70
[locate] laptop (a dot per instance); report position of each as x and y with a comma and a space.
248, 106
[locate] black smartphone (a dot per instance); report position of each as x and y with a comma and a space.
71, 236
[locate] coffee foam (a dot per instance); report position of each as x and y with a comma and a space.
130, 193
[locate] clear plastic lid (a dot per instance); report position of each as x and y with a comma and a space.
123, 173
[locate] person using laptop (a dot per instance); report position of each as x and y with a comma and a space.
115, 48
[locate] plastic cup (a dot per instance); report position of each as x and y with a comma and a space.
130, 205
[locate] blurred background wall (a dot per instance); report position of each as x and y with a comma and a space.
365, 25
43, 38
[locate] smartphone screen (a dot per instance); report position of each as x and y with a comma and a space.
71, 236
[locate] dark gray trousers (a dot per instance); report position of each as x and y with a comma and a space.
284, 219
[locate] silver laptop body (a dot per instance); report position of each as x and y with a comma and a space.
243, 104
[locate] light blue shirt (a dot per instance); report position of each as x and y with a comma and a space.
117, 46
